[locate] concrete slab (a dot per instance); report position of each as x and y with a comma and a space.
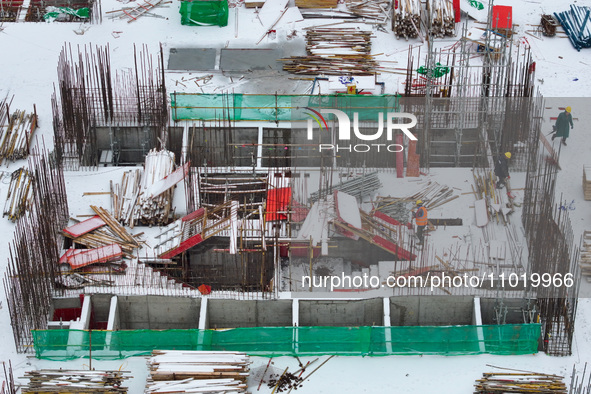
251, 59
192, 59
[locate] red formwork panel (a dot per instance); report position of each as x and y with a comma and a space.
502, 17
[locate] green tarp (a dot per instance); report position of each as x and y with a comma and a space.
204, 13
291, 341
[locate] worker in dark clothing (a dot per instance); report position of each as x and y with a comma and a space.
421, 221
561, 128
502, 169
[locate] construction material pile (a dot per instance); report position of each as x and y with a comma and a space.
370, 10
575, 24
20, 194
107, 244
145, 197
441, 14
177, 371
549, 25
406, 19
358, 187
16, 133
65, 381
519, 382
334, 52
585, 259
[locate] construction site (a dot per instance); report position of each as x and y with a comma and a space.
202, 207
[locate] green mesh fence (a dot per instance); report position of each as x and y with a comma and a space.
204, 13
235, 107
290, 341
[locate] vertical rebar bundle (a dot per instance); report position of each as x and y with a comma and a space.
32, 268
552, 253
89, 95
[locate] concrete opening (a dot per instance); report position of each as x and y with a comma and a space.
509, 311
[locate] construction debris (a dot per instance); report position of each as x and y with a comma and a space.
406, 19
146, 197
65, 381
575, 24
442, 18
20, 194
358, 187
334, 52
133, 13
519, 382
180, 371
16, 132
549, 25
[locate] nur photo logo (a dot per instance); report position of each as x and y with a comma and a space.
344, 130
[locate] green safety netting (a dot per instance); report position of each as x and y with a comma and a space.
290, 341
204, 13
189, 106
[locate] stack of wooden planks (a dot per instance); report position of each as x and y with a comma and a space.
66, 381
520, 382
20, 194
587, 182
177, 371
375, 10
16, 133
406, 19
145, 197
334, 52
316, 3
585, 259
441, 14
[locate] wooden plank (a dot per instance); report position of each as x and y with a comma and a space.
481, 213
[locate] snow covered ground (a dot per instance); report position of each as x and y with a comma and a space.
28, 64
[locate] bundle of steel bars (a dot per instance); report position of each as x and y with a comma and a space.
20, 194
68, 381
373, 10
406, 19
16, 132
441, 18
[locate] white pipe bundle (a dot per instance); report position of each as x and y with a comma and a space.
442, 17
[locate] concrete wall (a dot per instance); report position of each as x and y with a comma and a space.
248, 313
431, 310
341, 313
158, 312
